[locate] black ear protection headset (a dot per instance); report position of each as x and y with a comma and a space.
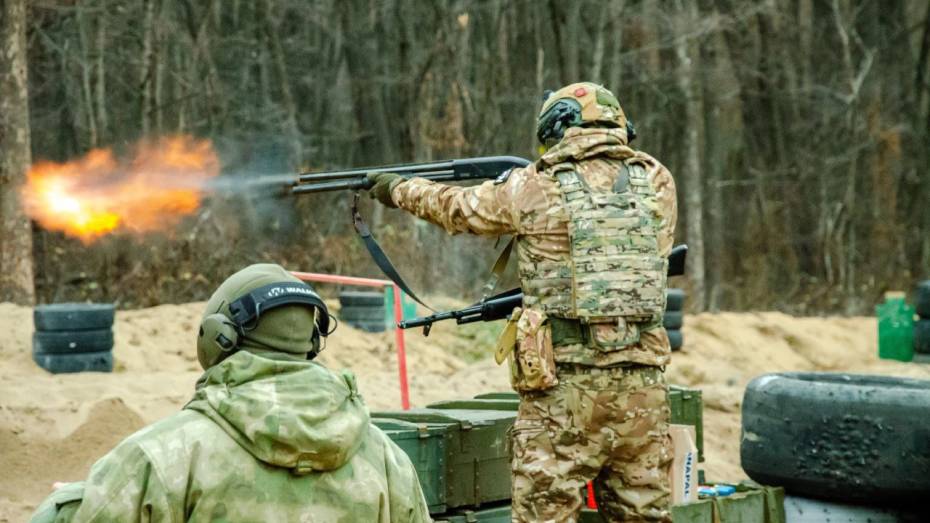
246, 311
563, 114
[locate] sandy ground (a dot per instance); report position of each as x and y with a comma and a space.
52, 428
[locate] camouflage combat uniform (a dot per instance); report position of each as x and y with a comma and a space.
267, 437
602, 414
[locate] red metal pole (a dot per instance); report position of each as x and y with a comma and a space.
346, 280
401, 349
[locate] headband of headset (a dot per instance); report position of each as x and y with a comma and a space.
247, 310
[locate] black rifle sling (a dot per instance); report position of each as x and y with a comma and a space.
497, 270
378, 255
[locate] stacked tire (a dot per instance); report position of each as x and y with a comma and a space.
922, 325
674, 317
842, 438
363, 310
73, 337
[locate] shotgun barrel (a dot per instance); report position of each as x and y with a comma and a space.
485, 167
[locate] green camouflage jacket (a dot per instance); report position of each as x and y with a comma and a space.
264, 439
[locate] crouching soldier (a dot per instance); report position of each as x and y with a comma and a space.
269, 435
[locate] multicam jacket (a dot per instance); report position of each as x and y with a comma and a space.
529, 205
264, 439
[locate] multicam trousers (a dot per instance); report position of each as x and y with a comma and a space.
609, 426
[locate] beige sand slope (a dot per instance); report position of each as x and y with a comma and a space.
52, 428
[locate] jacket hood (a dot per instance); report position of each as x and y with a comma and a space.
289, 413
581, 142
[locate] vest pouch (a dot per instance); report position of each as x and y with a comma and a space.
532, 365
613, 335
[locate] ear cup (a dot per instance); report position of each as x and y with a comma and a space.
316, 345
217, 338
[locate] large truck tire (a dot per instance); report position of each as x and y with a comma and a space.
922, 299
806, 510
72, 342
675, 338
674, 299
73, 316
840, 437
80, 362
922, 336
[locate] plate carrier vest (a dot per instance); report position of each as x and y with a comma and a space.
615, 268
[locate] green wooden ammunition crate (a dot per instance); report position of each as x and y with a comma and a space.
425, 444
479, 403
499, 514
686, 408
476, 462
744, 506
763, 505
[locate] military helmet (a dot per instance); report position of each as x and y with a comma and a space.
583, 104
262, 308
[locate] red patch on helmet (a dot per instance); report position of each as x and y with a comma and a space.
581, 91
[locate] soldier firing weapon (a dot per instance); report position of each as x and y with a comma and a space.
501, 305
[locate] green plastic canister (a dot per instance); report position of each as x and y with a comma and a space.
895, 328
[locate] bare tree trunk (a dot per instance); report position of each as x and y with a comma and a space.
713, 165
287, 98
87, 96
103, 122
16, 279
149, 67
597, 55
692, 175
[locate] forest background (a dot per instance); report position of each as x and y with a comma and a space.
797, 131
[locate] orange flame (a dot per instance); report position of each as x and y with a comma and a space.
96, 194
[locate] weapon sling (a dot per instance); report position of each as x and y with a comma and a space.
378, 255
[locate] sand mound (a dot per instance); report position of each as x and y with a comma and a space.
53, 428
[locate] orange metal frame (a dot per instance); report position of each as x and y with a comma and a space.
400, 346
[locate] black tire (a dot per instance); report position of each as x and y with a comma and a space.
922, 299
675, 338
922, 336
673, 319
369, 326
364, 298
73, 316
358, 313
83, 362
838, 436
73, 342
674, 299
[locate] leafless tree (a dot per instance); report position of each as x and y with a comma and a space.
16, 280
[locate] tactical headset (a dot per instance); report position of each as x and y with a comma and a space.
563, 114
226, 332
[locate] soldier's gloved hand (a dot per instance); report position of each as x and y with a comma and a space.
381, 185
